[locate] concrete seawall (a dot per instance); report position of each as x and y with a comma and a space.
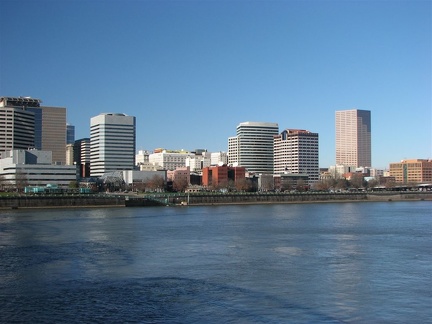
60, 201
203, 199
267, 198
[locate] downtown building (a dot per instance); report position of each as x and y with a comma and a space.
169, 159
22, 168
412, 171
112, 143
81, 157
17, 124
296, 152
252, 147
353, 138
26, 124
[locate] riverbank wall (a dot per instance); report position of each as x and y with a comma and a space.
300, 197
15, 202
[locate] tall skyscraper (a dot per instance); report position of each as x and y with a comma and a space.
50, 131
81, 152
34, 126
353, 138
17, 123
296, 151
70, 134
30, 125
112, 143
252, 147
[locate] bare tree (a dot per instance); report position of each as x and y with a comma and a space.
267, 182
20, 180
180, 184
301, 185
222, 185
325, 184
357, 180
2, 182
243, 184
372, 183
341, 183
156, 183
390, 183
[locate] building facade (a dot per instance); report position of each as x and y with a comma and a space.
296, 151
50, 131
81, 158
70, 134
34, 168
412, 171
252, 147
169, 160
17, 124
353, 137
222, 175
218, 158
112, 143
31, 125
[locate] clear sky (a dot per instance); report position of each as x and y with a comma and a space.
191, 71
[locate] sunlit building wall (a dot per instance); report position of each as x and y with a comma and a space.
353, 137
415, 171
252, 147
112, 143
296, 151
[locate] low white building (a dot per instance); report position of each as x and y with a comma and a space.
198, 162
170, 160
218, 158
131, 176
35, 168
337, 171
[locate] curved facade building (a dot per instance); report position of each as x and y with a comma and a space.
252, 147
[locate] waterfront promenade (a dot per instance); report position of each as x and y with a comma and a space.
194, 199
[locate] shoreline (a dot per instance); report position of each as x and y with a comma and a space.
180, 200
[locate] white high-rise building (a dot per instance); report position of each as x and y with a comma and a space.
112, 143
353, 137
252, 147
296, 151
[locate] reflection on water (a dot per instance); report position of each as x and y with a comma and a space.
302, 263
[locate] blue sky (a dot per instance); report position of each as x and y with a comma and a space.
191, 71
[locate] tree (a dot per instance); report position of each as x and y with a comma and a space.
180, 184
223, 185
20, 180
243, 185
73, 185
390, 183
357, 180
325, 184
2, 182
267, 182
301, 185
341, 183
156, 183
372, 183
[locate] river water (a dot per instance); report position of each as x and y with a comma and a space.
284, 263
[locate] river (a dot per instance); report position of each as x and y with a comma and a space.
362, 262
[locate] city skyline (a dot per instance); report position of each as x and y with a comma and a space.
190, 71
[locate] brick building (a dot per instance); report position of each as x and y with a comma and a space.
216, 176
418, 171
